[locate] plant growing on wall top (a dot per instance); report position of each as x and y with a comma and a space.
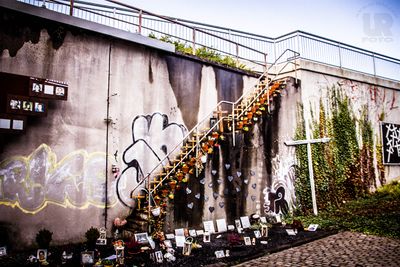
203, 53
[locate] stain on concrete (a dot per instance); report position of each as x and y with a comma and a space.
270, 134
185, 79
229, 84
17, 29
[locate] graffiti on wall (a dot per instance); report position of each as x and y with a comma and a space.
391, 143
33, 182
379, 100
280, 194
153, 137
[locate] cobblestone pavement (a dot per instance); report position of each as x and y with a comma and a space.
342, 249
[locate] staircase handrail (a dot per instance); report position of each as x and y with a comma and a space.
195, 128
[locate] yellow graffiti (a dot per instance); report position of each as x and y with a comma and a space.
42, 164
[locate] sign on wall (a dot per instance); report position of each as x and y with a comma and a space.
391, 143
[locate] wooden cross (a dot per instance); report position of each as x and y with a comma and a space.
308, 142
219, 114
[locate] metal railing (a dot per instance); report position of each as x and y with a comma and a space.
243, 46
247, 99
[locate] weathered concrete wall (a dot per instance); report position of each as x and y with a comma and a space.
376, 98
129, 105
54, 176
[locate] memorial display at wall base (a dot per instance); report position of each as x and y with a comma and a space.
227, 247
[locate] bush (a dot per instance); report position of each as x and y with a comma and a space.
43, 238
92, 235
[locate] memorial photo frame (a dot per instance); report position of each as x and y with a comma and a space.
179, 240
179, 232
200, 232
41, 255
238, 224
46, 88
245, 222
221, 226
27, 105
142, 238
219, 254
247, 240
206, 237
12, 123
15, 104
192, 232
209, 227
168, 243
159, 256
23, 105
264, 230
102, 240
87, 257
37, 87
3, 251
169, 236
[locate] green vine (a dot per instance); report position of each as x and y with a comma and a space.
343, 168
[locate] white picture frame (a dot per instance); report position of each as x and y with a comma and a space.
245, 222
238, 224
168, 243
169, 236
159, 256
247, 240
219, 254
192, 233
209, 227
142, 238
49, 89
312, 227
180, 241
221, 226
257, 233
199, 232
206, 237
290, 232
180, 232
264, 230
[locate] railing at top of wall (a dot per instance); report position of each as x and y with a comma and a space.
241, 45
136, 20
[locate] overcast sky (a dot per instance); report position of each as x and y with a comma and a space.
372, 25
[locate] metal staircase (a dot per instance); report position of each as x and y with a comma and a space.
153, 192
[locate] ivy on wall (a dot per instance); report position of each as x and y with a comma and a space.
344, 167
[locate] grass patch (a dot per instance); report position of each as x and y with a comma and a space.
377, 214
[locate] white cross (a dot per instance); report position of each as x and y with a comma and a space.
310, 168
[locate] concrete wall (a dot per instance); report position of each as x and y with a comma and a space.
56, 175
128, 105
380, 98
